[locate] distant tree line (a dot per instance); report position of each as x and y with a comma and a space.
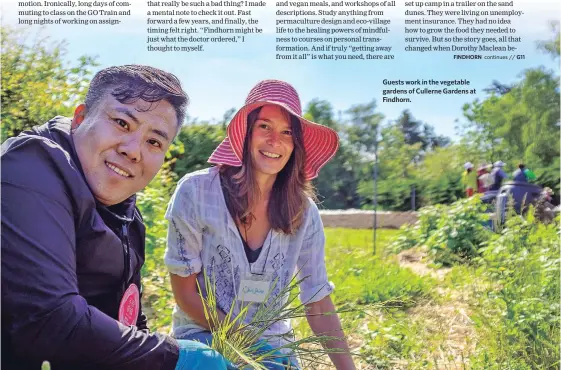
518, 122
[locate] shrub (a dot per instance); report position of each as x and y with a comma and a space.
157, 298
519, 319
451, 234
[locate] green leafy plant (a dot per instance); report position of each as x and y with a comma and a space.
156, 294
37, 81
519, 318
451, 234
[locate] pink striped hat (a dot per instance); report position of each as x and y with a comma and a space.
320, 142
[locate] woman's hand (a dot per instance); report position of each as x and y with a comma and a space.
323, 321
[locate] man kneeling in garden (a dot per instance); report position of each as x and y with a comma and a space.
73, 239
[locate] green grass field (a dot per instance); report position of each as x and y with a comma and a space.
379, 293
405, 312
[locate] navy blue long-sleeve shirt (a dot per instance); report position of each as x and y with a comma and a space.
63, 264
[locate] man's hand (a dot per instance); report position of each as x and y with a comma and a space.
195, 355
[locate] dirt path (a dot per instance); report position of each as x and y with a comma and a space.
445, 321
450, 319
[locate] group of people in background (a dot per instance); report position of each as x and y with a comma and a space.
491, 177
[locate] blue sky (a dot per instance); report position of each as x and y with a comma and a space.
220, 77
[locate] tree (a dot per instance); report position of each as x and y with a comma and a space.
439, 175
364, 124
321, 111
193, 146
411, 129
227, 117
433, 140
396, 173
37, 84
337, 181
552, 46
418, 132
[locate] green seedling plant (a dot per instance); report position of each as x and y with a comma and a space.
239, 338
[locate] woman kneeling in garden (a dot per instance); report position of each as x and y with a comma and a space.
250, 224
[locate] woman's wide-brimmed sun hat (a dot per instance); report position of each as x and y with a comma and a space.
320, 142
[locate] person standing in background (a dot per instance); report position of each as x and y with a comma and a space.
469, 179
482, 175
498, 175
523, 174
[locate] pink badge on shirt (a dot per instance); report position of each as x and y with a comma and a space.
130, 305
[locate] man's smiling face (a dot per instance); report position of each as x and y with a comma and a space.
121, 147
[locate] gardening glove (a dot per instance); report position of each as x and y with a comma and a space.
195, 355
278, 360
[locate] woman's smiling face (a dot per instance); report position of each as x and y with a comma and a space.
271, 140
